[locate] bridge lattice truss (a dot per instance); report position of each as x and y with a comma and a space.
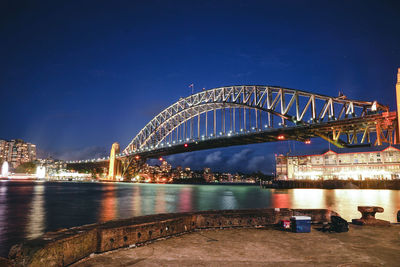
265, 113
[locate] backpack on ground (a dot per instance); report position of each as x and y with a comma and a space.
338, 224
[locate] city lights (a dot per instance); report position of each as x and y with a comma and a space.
281, 137
4, 169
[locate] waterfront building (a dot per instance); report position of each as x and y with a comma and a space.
165, 167
53, 166
208, 175
16, 152
377, 162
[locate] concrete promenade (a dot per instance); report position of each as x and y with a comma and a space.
361, 246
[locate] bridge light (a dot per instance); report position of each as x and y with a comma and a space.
187, 139
307, 142
266, 126
160, 159
137, 157
374, 106
185, 145
241, 130
281, 137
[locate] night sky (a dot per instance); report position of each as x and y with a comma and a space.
76, 76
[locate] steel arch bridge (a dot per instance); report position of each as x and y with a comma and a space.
245, 114
246, 110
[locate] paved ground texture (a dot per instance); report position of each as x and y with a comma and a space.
361, 246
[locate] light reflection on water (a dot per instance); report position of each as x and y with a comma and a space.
29, 209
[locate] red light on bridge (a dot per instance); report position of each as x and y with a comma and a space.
185, 145
137, 157
307, 142
160, 159
281, 137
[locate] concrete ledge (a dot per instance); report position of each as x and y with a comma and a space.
67, 246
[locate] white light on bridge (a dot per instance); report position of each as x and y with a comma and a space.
374, 106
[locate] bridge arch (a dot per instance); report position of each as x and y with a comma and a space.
245, 108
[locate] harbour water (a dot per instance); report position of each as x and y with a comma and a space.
28, 209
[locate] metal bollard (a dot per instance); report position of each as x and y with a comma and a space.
398, 216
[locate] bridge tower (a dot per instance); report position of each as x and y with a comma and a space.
114, 170
398, 106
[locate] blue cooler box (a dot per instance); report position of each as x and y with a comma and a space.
300, 224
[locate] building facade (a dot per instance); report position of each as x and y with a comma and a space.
379, 162
16, 152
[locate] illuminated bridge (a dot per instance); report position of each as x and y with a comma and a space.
248, 114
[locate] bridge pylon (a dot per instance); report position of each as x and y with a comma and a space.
115, 168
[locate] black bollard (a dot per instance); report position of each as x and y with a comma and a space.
398, 216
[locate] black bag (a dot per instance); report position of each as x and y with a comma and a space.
338, 224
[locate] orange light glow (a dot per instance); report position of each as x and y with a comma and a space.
281, 137
161, 159
137, 157
307, 142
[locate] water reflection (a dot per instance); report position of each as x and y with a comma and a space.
228, 200
307, 198
3, 212
36, 217
160, 200
281, 199
137, 201
108, 203
185, 199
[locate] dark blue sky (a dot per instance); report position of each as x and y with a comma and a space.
75, 76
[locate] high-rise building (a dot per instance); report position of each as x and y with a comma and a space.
16, 152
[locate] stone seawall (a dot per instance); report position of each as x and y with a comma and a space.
67, 246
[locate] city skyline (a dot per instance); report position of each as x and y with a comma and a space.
77, 82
